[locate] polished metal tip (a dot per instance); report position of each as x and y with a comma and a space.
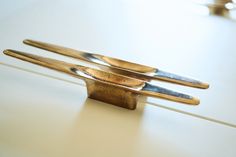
27, 41
8, 52
174, 78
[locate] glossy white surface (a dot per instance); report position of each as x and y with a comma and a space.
43, 116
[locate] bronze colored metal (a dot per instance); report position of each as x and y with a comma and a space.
219, 7
120, 66
108, 87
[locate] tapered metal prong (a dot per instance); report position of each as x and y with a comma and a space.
170, 77
43, 61
120, 66
156, 91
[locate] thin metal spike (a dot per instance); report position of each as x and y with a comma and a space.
170, 77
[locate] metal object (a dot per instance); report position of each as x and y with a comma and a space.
107, 86
219, 7
120, 66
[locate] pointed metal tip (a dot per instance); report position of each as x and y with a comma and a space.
195, 101
160, 92
32, 42
205, 85
201, 85
174, 78
14, 53
27, 41
8, 52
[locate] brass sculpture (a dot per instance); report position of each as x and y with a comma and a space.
114, 88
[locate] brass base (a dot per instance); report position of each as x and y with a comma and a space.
220, 11
110, 94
